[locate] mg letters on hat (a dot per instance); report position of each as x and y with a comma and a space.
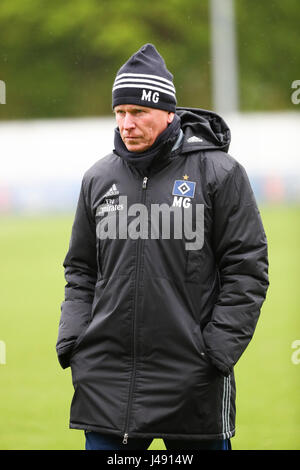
145, 80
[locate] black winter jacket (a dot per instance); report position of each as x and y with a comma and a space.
152, 328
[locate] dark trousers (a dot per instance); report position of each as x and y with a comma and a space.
97, 441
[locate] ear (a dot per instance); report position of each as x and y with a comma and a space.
170, 117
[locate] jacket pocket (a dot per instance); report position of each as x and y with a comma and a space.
99, 289
204, 354
201, 345
79, 340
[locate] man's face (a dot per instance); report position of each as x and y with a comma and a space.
140, 126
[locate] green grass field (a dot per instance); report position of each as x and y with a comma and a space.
35, 393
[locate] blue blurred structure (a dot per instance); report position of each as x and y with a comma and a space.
42, 162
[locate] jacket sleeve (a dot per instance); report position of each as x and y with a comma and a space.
240, 248
81, 274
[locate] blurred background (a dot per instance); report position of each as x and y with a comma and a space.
58, 61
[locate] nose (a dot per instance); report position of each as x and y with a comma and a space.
128, 122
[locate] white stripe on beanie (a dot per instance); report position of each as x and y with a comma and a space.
145, 75
145, 82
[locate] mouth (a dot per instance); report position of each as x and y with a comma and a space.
131, 137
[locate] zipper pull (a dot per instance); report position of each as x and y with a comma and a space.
125, 438
145, 180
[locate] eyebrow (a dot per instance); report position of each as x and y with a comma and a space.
131, 110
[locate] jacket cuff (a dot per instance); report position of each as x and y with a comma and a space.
64, 356
222, 368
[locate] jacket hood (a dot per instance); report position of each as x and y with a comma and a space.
203, 130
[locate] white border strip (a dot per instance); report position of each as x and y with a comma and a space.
226, 408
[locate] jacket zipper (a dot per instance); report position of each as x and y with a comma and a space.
137, 276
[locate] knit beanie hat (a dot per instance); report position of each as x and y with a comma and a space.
145, 80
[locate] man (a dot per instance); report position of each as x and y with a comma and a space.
166, 274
